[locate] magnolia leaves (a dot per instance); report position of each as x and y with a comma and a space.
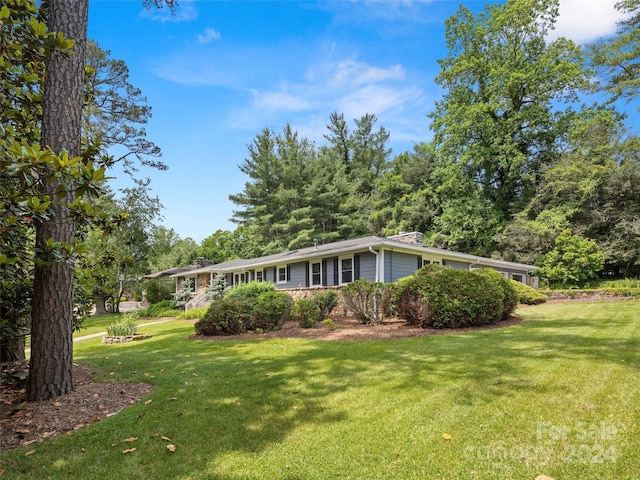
170, 447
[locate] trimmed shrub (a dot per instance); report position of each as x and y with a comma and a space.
270, 310
450, 298
306, 312
326, 300
528, 295
227, 316
250, 290
370, 301
232, 316
509, 297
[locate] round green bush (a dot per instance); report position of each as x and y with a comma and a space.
508, 295
306, 312
226, 316
441, 297
528, 295
269, 310
232, 316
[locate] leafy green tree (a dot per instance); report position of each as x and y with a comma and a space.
168, 250
223, 245
593, 190
407, 195
618, 229
504, 115
573, 261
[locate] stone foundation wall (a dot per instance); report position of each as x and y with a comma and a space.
305, 293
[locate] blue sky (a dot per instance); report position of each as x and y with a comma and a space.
218, 72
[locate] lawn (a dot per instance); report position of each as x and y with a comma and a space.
554, 395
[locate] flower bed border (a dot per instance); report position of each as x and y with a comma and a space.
117, 339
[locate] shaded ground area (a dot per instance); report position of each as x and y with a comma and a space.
23, 423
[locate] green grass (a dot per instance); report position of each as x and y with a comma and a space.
554, 395
98, 324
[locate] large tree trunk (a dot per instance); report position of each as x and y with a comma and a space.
52, 315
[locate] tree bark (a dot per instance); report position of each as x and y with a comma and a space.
12, 349
100, 302
50, 370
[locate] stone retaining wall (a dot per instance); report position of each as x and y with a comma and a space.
109, 340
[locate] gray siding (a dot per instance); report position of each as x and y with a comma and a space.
296, 277
398, 265
331, 272
368, 266
457, 265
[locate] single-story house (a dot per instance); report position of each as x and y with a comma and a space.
372, 258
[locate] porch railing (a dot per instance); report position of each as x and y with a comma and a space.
200, 299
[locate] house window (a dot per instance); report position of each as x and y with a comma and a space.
518, 278
426, 261
346, 270
282, 274
259, 275
316, 274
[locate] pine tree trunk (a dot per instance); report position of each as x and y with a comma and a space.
50, 370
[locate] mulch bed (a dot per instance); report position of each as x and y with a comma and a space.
25, 423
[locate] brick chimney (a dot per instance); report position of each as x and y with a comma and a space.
202, 262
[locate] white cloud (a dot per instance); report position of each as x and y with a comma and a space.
185, 11
350, 72
280, 100
181, 71
584, 21
209, 35
378, 99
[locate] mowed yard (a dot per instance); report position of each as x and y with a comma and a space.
556, 394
